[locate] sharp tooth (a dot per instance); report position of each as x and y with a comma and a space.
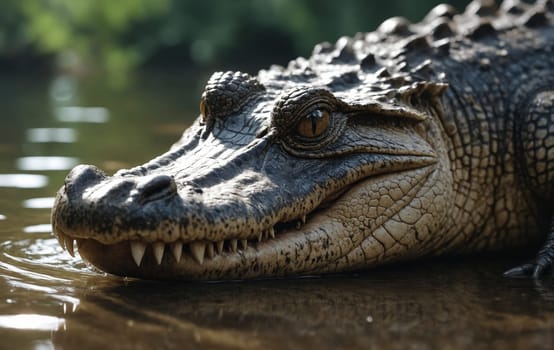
260, 236
210, 252
303, 219
69, 245
158, 249
298, 224
233, 245
220, 247
61, 240
197, 249
137, 251
272, 232
177, 250
244, 244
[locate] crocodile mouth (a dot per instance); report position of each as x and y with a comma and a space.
199, 252
196, 250
302, 245
198, 259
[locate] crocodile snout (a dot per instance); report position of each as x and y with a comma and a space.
91, 182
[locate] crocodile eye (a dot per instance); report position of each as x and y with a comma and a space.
203, 110
314, 124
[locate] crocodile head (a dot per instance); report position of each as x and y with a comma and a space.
333, 163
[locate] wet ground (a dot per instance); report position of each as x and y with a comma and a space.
49, 299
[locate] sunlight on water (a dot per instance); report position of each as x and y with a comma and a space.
42, 135
40, 228
39, 203
31, 287
46, 163
32, 322
43, 345
74, 114
23, 180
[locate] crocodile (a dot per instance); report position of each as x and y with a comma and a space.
415, 140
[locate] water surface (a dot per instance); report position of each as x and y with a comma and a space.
49, 299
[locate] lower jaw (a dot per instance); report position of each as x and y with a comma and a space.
289, 253
116, 259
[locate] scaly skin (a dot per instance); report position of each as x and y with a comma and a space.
414, 140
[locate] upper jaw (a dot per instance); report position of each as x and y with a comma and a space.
160, 208
184, 215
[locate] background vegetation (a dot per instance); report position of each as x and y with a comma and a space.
121, 35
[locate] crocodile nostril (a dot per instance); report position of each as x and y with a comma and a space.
156, 187
120, 189
82, 177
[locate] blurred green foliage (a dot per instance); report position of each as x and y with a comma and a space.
123, 34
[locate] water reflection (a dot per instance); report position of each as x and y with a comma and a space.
23, 180
40, 228
75, 114
32, 322
546, 290
46, 163
39, 203
37, 265
435, 305
43, 135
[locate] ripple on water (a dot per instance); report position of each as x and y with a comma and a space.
35, 258
46, 163
36, 266
23, 180
41, 263
47, 253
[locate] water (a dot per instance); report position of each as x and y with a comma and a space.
49, 299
